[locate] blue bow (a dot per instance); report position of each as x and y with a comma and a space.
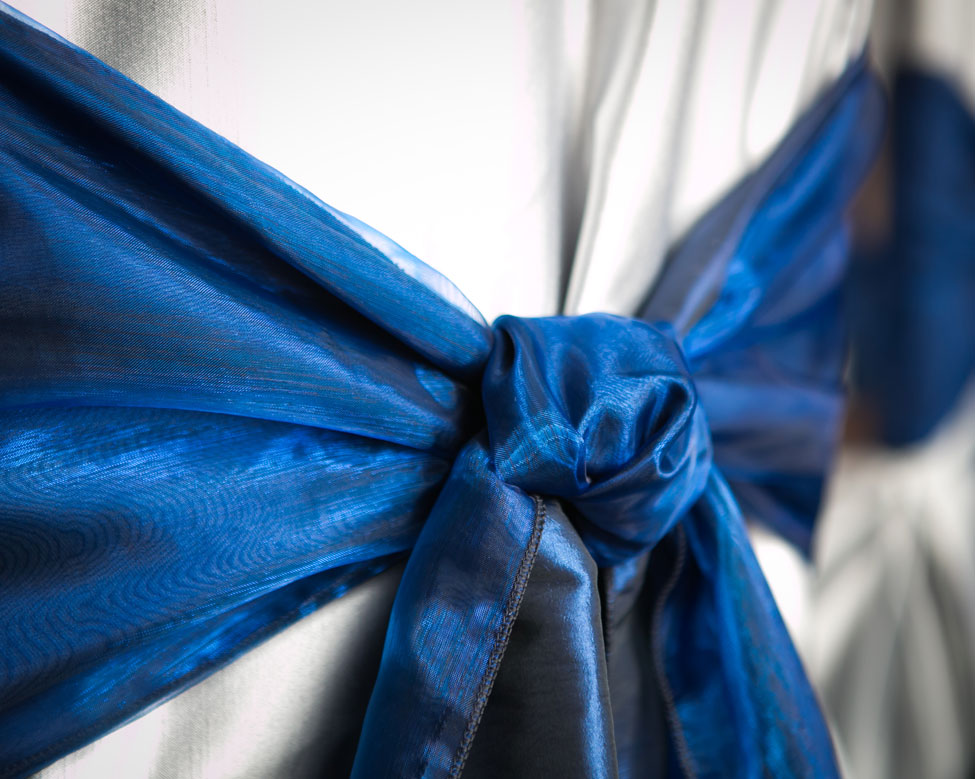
225, 403
602, 412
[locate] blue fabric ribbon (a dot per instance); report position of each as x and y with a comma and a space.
602, 412
223, 403
911, 296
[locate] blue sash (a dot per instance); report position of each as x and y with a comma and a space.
224, 403
912, 296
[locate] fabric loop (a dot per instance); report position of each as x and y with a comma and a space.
602, 412
225, 403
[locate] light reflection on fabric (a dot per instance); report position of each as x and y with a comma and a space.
224, 403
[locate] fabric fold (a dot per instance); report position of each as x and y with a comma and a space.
226, 402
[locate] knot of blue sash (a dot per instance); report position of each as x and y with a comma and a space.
224, 403
602, 412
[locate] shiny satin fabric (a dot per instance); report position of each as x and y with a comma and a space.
224, 403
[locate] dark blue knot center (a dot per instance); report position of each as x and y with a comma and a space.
600, 411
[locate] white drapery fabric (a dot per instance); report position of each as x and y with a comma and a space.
891, 614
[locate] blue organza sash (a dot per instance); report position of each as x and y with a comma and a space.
224, 403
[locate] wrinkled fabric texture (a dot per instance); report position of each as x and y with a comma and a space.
224, 403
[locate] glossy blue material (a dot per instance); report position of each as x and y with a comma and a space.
223, 403
610, 403
912, 298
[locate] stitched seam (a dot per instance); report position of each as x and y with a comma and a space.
501, 638
609, 604
684, 757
